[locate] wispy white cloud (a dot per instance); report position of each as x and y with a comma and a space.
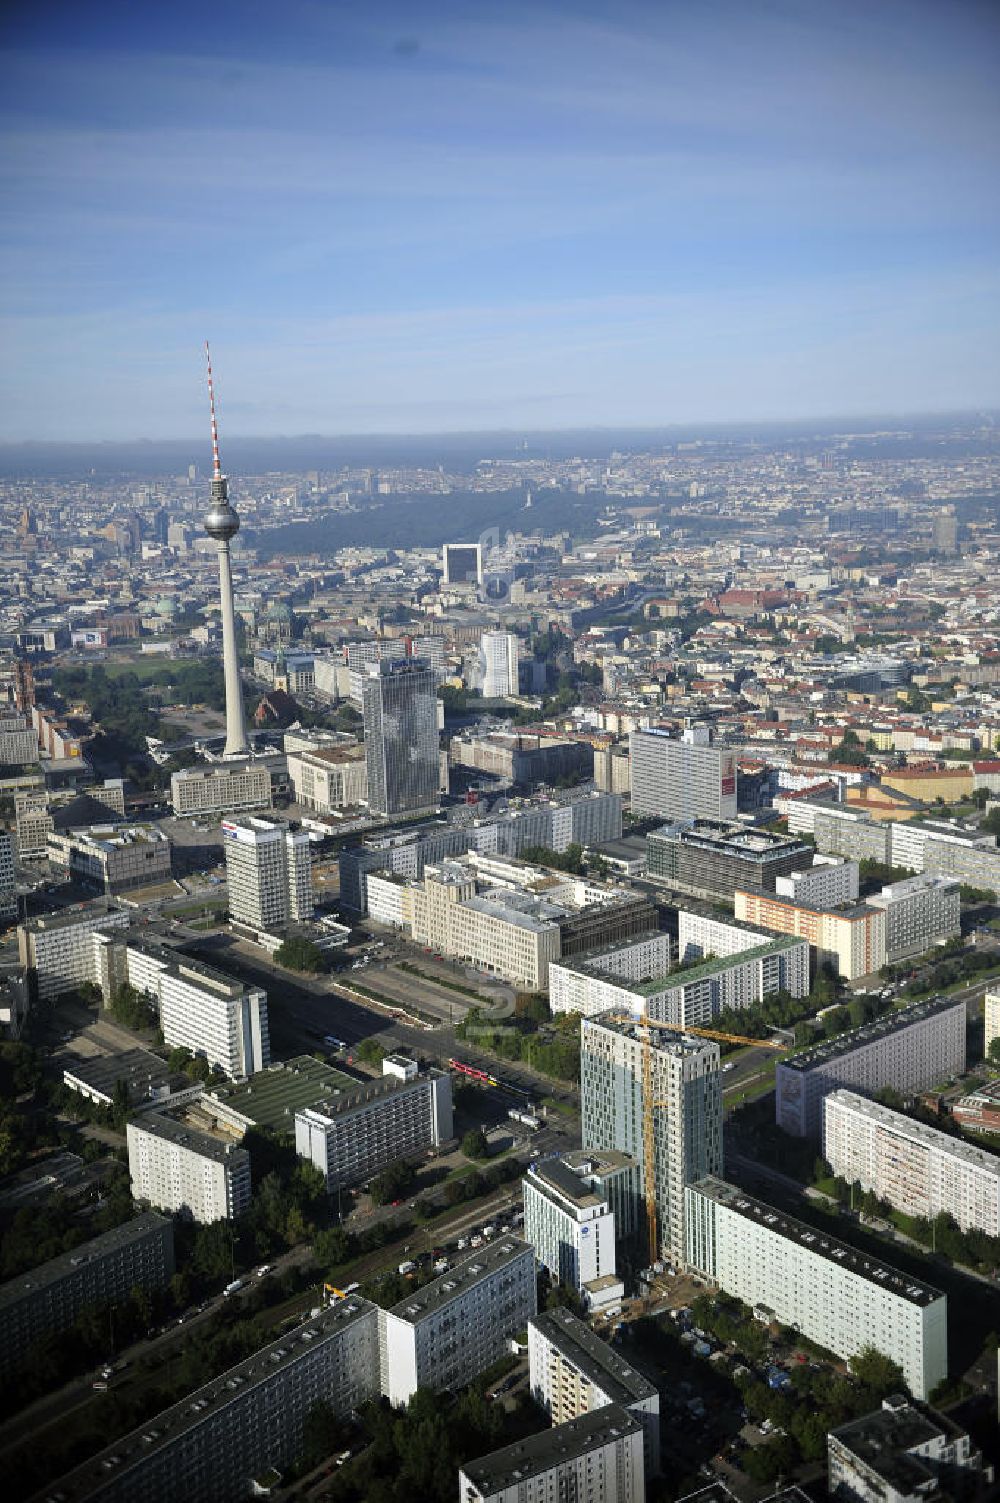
632, 205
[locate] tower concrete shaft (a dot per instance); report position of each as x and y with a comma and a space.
236, 731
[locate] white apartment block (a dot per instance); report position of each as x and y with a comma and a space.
920, 912
498, 664
686, 1110
8, 886
851, 939
917, 1169
569, 1223
387, 900
597, 1458
33, 822
58, 949
443, 1335
991, 1020
18, 742
635, 977
115, 858
903, 1454
911, 1050
223, 788
218, 1439
799, 1276
176, 1166
360, 1131
268, 871
682, 779
573, 1372
328, 778
200, 1008
828, 883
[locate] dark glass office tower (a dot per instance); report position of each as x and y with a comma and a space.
399, 699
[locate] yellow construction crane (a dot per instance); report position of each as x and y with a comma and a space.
646, 1024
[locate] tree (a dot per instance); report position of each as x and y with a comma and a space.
391, 1184
300, 954
322, 1433
119, 1104
130, 1007
532, 1007
332, 1247
370, 1052
474, 1144
878, 1373
995, 1051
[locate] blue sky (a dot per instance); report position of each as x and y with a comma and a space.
431, 216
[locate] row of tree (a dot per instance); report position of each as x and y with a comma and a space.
553, 1049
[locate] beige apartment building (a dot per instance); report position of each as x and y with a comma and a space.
329, 777
851, 938
511, 934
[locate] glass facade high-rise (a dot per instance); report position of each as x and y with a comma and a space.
399, 700
686, 1108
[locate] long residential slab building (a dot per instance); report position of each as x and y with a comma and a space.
106, 1268
919, 1170
911, 1049
796, 1274
225, 1441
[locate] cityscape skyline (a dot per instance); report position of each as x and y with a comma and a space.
500, 880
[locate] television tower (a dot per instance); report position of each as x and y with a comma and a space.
222, 523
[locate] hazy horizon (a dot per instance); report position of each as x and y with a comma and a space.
459, 449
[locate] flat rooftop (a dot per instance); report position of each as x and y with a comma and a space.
217, 770
851, 912
80, 913
519, 1463
524, 910
555, 1178
919, 1132
869, 1033
593, 1357
881, 1274
599, 1162
183, 1133
362, 1093
681, 975
141, 1071
665, 1040
884, 1439
271, 1098
56, 1269
332, 754
108, 837
166, 1428
735, 838
460, 1279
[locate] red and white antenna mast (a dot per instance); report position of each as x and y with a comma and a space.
216, 464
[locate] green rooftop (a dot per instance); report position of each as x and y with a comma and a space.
684, 975
271, 1098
